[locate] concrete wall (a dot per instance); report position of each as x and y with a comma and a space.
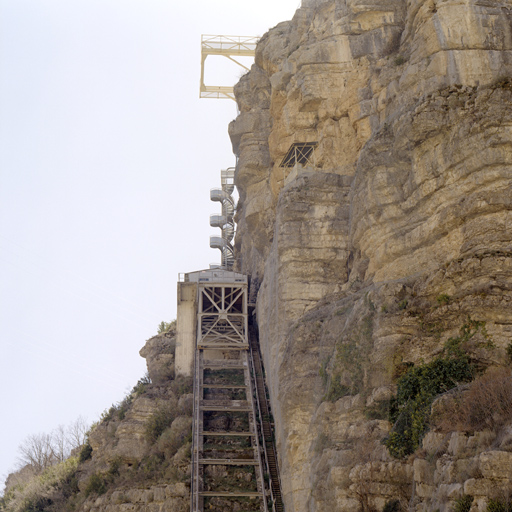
186, 328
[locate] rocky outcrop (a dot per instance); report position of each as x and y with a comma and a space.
141, 449
136, 458
373, 256
159, 354
156, 498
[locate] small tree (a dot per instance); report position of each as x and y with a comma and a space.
40, 451
77, 433
166, 326
60, 443
37, 450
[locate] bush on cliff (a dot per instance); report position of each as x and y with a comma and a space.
416, 391
485, 404
44, 491
420, 385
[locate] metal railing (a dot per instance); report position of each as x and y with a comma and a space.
216, 275
229, 47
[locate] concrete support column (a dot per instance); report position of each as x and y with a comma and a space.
186, 328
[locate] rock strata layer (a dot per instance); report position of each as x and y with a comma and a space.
397, 230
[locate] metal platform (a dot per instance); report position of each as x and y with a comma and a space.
229, 47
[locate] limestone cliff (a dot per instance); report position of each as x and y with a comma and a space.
397, 235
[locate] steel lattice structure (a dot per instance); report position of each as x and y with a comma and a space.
229, 47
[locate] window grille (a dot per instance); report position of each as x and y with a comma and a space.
299, 153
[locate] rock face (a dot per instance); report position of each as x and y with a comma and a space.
140, 456
159, 354
397, 231
143, 469
135, 458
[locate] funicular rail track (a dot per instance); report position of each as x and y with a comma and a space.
233, 454
265, 423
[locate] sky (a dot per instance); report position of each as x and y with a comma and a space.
107, 156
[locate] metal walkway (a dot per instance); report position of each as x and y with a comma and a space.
233, 455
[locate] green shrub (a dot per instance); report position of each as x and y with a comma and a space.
109, 414
141, 385
159, 421
96, 484
509, 352
336, 390
459, 345
399, 60
497, 505
166, 326
403, 304
39, 493
85, 452
416, 390
113, 468
392, 506
443, 299
463, 504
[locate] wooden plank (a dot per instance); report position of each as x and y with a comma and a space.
227, 434
231, 494
229, 462
224, 408
223, 386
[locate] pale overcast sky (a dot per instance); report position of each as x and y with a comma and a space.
107, 156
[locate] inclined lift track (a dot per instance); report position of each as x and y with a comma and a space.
229, 381
226, 342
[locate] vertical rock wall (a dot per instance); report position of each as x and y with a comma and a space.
408, 197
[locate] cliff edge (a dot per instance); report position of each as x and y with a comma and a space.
387, 253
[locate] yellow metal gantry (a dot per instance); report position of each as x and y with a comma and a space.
229, 47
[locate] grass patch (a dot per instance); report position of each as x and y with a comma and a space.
463, 504
379, 410
443, 299
499, 505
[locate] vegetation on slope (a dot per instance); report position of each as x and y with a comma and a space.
100, 466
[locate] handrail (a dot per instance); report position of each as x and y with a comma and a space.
260, 425
254, 351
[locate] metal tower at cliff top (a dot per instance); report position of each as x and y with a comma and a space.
229, 47
233, 457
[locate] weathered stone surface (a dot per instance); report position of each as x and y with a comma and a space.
407, 198
155, 499
496, 464
159, 354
